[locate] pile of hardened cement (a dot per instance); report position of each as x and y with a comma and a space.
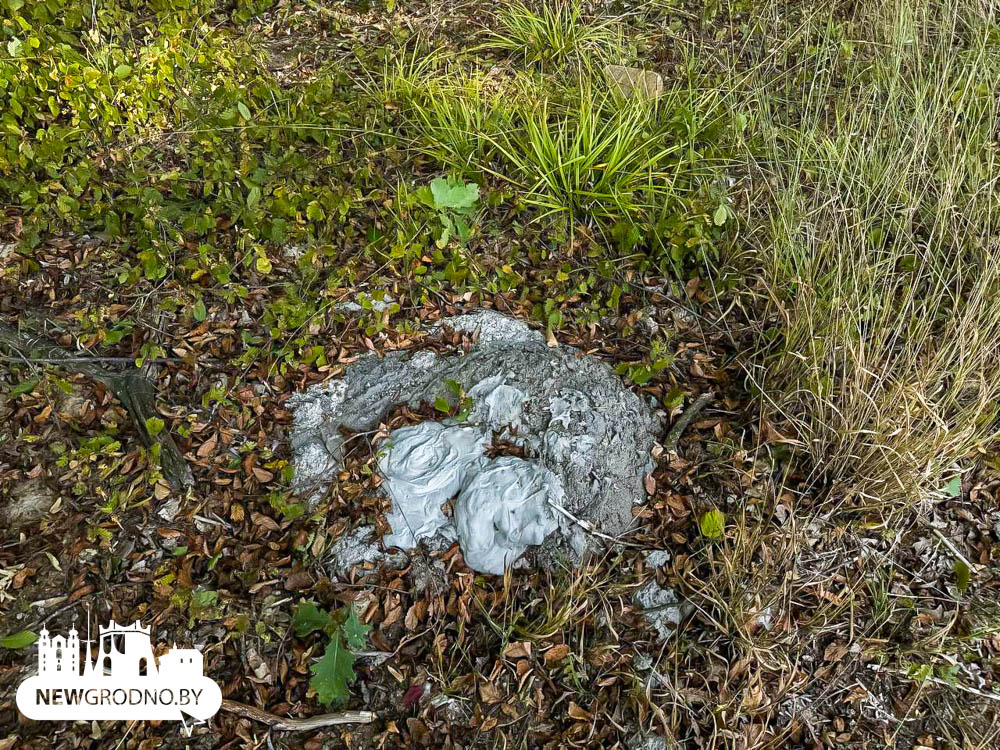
587, 441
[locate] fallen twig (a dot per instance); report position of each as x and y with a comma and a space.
937, 681
130, 387
674, 436
297, 725
589, 527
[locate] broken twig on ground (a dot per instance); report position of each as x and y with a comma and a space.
674, 436
297, 725
131, 388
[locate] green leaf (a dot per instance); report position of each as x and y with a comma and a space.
674, 398
263, 265
315, 212
355, 631
713, 524
948, 673
446, 227
203, 599
67, 204
442, 405
243, 110
18, 640
123, 71
333, 673
954, 486
719, 217
25, 386
308, 618
963, 576
451, 193
199, 312
154, 426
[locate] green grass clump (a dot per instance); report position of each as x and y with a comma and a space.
879, 250
556, 34
592, 158
640, 173
455, 113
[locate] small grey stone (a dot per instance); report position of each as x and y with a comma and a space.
642, 662
489, 326
645, 85
452, 708
657, 558
660, 607
169, 510
765, 620
377, 305
429, 574
29, 502
356, 547
646, 741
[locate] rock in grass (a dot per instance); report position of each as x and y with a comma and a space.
657, 558
661, 607
647, 741
356, 547
565, 411
645, 85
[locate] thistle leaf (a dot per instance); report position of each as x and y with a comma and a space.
333, 673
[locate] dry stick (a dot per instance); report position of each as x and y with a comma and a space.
938, 681
674, 436
589, 527
297, 725
131, 388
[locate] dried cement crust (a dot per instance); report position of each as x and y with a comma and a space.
569, 411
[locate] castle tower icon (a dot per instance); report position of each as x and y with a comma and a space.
182, 662
124, 652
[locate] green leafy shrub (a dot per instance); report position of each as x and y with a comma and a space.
160, 127
454, 203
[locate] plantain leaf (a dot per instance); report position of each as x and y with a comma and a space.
18, 640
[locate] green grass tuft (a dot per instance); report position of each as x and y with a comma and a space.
556, 34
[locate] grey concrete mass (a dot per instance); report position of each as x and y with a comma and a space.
568, 411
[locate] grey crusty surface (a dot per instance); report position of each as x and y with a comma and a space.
568, 410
